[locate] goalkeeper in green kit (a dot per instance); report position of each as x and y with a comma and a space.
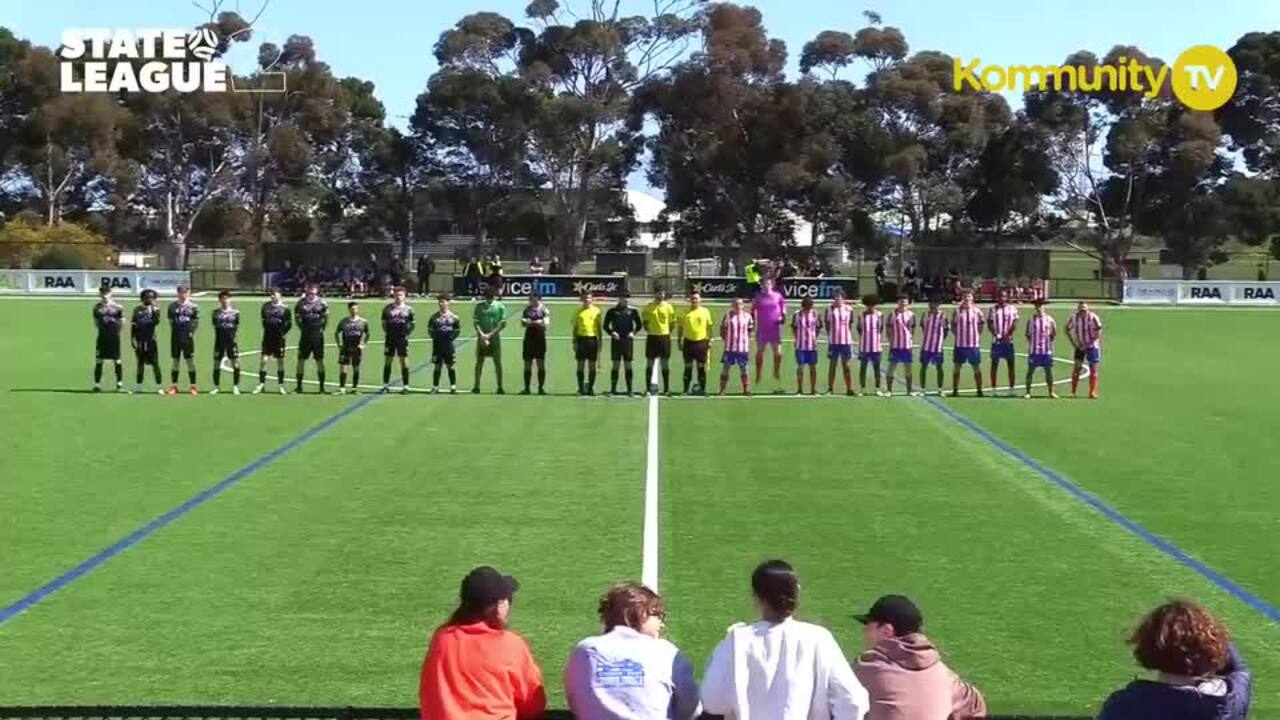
490, 319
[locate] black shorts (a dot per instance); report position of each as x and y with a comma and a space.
622, 349
657, 347
586, 348
443, 354
108, 346
225, 348
182, 346
695, 350
272, 345
351, 355
397, 346
535, 346
147, 351
311, 346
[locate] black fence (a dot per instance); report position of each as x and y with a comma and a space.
227, 712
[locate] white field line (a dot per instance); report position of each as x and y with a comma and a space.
649, 537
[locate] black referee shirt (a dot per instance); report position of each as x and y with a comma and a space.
623, 321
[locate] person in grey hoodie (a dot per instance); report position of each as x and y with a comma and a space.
903, 672
629, 672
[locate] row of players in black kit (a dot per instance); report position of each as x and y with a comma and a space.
311, 314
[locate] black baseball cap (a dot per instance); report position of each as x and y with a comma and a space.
897, 611
485, 586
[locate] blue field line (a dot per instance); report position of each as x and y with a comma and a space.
142, 533
1115, 516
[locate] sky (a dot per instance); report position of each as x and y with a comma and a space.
390, 41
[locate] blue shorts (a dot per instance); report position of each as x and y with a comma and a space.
871, 357
1091, 354
1041, 360
736, 358
971, 356
930, 358
1002, 350
839, 352
806, 357
900, 356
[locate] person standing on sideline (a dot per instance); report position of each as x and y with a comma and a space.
752, 273
630, 672
902, 332
735, 333
554, 268
1084, 330
934, 329
839, 324
769, 309
444, 328
586, 342
806, 325
967, 323
870, 342
1041, 332
475, 668
904, 673
695, 342
621, 323
1002, 321
426, 266
1199, 673
779, 668
658, 317
108, 318
535, 318
490, 320
535, 266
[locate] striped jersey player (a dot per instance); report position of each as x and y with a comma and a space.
1002, 321
839, 324
735, 330
870, 340
1041, 332
1084, 329
966, 323
805, 325
934, 328
902, 332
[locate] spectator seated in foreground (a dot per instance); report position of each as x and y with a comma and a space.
903, 672
1199, 673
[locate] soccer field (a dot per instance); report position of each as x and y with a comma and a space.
299, 549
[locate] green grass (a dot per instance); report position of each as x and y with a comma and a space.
317, 579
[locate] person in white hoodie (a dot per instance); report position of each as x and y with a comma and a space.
629, 672
779, 668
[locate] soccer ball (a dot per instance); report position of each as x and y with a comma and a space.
202, 42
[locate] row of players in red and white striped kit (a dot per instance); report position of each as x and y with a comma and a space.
965, 326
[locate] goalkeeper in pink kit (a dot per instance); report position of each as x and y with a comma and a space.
770, 311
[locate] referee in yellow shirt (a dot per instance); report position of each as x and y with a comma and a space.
695, 341
658, 317
587, 322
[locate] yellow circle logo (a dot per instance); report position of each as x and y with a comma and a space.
1204, 77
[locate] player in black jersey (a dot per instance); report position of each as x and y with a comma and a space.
184, 318
311, 315
444, 328
277, 321
108, 318
226, 325
622, 322
397, 326
536, 318
352, 335
142, 336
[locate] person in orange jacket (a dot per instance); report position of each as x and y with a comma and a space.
475, 668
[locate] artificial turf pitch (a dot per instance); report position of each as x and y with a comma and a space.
317, 574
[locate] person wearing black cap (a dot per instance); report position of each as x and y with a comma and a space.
903, 671
779, 668
475, 667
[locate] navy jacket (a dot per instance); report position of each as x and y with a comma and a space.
1219, 698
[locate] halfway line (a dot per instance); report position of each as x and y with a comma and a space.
142, 533
1115, 516
649, 541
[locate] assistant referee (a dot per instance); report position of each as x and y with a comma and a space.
657, 317
586, 342
695, 341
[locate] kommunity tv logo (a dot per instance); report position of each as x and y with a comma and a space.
1202, 78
